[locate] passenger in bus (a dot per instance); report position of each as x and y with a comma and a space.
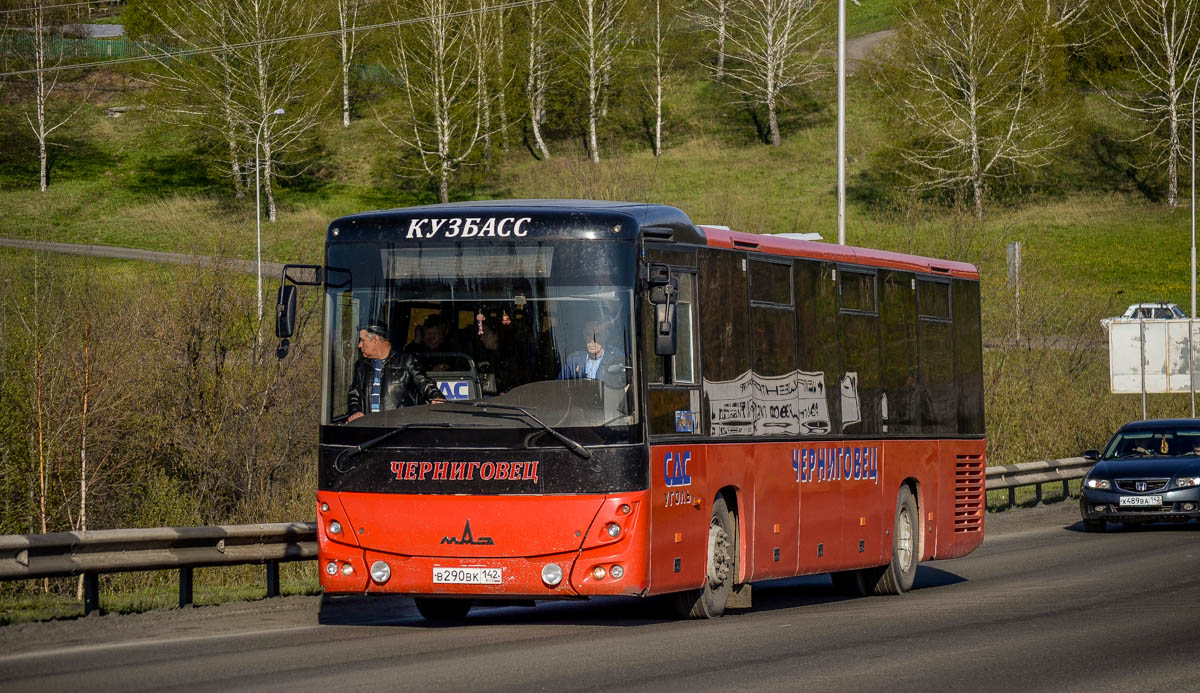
385, 379
497, 360
431, 336
594, 359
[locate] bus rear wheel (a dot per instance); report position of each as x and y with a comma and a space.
898, 576
720, 571
442, 611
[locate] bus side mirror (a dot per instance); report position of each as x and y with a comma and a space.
285, 312
285, 303
663, 297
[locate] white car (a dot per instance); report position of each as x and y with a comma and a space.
1148, 311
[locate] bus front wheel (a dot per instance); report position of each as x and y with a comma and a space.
720, 571
897, 577
442, 611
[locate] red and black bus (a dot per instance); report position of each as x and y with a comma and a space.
752, 407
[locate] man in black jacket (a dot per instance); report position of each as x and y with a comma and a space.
386, 379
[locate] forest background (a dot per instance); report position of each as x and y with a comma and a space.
136, 394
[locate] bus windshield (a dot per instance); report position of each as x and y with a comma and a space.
545, 326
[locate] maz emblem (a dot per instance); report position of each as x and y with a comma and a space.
468, 538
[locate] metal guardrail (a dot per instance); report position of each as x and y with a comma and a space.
1012, 476
90, 553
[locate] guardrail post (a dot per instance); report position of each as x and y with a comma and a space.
91, 593
185, 587
272, 579
1037, 494
1066, 489
1012, 496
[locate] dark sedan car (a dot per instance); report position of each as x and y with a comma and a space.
1149, 472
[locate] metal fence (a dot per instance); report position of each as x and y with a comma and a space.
26, 556
91, 553
66, 48
1013, 476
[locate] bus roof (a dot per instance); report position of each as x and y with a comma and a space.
673, 225
766, 243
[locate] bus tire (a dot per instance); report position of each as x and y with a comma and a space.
442, 611
898, 575
720, 568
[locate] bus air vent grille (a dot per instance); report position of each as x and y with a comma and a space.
969, 493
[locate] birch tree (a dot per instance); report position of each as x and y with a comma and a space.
971, 86
236, 91
596, 40
1158, 73
773, 47
537, 77
443, 122
45, 25
713, 15
347, 11
656, 90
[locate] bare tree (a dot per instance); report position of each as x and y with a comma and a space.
656, 90
500, 16
537, 78
237, 91
483, 37
347, 11
443, 122
773, 47
1063, 13
596, 40
1162, 46
971, 88
713, 15
45, 26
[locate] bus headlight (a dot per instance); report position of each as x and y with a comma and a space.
612, 529
617, 572
331, 567
552, 574
347, 569
381, 572
598, 572
335, 527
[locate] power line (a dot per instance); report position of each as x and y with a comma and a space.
59, 7
271, 41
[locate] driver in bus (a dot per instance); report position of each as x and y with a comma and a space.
592, 361
386, 379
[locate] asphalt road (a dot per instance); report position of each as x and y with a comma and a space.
1039, 606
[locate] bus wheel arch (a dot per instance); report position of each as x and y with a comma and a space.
722, 563
898, 575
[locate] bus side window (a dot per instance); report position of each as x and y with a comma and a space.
684, 361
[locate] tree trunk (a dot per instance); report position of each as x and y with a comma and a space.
268, 168
39, 49
345, 90
501, 107
593, 106
721, 22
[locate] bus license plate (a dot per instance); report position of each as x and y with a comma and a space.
467, 576
1140, 500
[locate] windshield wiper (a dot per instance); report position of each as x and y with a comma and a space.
390, 434
571, 445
